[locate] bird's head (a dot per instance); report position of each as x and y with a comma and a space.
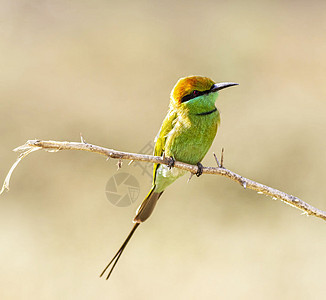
196, 93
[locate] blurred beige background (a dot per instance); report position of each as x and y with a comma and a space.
105, 69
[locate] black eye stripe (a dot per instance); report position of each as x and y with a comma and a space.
192, 96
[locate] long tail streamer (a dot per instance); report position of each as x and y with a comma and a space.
116, 257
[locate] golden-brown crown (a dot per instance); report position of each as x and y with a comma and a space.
187, 85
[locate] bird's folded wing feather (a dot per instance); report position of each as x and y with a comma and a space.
167, 126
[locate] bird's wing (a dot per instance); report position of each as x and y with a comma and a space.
167, 126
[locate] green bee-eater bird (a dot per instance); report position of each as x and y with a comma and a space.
186, 134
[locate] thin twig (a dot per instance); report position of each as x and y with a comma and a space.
53, 146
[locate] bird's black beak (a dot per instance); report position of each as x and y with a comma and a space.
219, 86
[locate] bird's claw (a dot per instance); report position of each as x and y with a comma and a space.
171, 162
200, 169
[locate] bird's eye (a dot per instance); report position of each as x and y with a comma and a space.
191, 95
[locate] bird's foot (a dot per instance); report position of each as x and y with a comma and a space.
171, 162
200, 169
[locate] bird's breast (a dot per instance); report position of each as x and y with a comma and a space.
192, 136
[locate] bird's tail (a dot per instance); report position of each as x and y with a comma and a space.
143, 212
116, 257
146, 208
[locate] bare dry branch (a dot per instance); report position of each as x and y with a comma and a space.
54, 146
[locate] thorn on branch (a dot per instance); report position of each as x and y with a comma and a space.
222, 158
216, 159
119, 164
191, 174
82, 139
244, 184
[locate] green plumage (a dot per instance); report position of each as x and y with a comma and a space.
186, 135
189, 138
